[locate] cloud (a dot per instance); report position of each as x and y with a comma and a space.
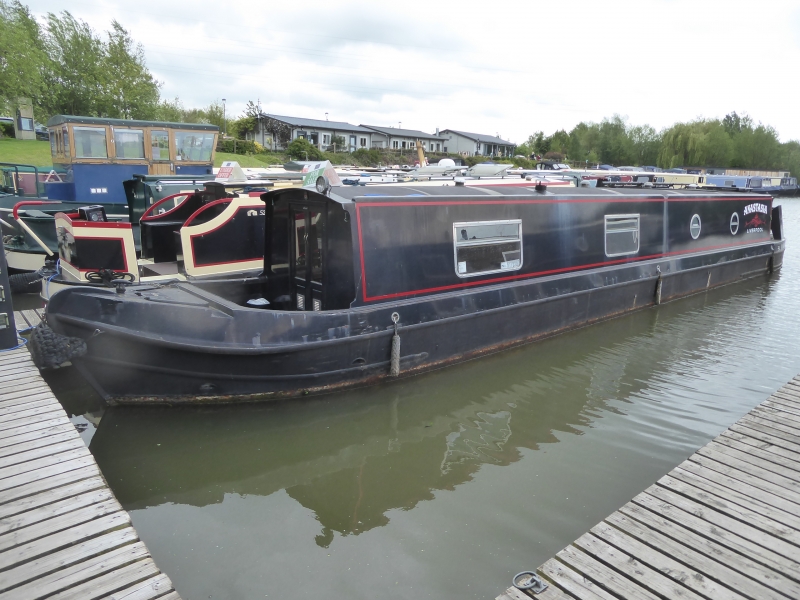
513, 68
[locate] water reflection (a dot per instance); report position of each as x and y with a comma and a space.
353, 458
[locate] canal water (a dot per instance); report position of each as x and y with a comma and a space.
447, 484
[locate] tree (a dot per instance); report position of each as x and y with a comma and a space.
22, 55
130, 91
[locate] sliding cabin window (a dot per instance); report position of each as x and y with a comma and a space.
65, 141
90, 142
193, 146
159, 145
622, 234
483, 247
129, 143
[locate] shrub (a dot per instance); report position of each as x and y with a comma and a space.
237, 146
302, 149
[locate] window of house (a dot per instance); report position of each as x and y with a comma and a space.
363, 142
326, 139
159, 145
622, 234
395, 144
483, 247
403, 144
90, 142
129, 143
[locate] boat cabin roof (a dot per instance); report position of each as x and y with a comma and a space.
390, 193
79, 120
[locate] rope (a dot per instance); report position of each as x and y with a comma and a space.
22, 341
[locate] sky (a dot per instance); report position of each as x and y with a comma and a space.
506, 68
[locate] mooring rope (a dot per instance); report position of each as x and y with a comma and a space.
395, 362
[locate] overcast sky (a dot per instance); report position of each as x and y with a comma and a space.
507, 68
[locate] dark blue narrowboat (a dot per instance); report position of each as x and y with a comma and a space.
361, 285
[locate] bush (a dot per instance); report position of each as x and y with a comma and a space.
302, 149
237, 147
6, 129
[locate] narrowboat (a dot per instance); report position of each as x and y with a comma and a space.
91, 159
363, 285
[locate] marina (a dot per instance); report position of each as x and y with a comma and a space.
62, 532
723, 524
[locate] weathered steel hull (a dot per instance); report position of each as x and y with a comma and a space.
342, 349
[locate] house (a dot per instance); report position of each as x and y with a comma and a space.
277, 131
395, 138
469, 144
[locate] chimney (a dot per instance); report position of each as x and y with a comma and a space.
437, 131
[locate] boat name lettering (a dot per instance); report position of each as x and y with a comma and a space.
755, 207
257, 213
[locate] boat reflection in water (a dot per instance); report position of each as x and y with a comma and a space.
352, 458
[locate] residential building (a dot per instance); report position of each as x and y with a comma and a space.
277, 131
470, 144
395, 138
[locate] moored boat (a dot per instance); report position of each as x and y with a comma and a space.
360, 285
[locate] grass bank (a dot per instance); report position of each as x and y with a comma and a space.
27, 152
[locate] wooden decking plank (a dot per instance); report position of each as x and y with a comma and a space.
21, 404
83, 470
20, 391
11, 381
781, 484
760, 420
19, 486
671, 521
774, 414
761, 530
786, 398
31, 317
54, 509
8, 444
633, 567
29, 416
65, 578
45, 461
19, 461
624, 534
6, 435
761, 458
777, 401
101, 587
12, 358
735, 491
66, 540
151, 588
762, 444
608, 578
18, 316
763, 436
59, 523
557, 573
56, 438
782, 435
50, 496
550, 593
716, 571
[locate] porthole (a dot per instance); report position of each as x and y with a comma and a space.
734, 223
694, 227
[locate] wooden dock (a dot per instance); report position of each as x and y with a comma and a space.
62, 533
723, 524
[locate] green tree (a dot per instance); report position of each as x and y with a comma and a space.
171, 110
129, 90
646, 143
22, 55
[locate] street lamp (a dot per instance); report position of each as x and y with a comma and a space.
224, 120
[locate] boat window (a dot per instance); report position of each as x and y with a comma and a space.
622, 234
53, 143
159, 145
65, 141
90, 142
193, 145
129, 143
487, 247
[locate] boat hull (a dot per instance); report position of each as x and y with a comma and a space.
442, 330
